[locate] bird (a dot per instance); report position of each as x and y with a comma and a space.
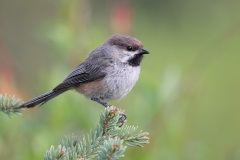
108, 73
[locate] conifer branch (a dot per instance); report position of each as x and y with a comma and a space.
8, 105
107, 141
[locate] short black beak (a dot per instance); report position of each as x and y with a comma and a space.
143, 51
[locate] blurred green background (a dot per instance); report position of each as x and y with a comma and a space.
187, 96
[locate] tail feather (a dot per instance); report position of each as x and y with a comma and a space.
40, 100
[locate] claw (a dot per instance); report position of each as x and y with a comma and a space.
122, 119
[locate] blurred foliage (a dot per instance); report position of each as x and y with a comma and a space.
187, 96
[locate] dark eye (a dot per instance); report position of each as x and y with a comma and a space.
129, 48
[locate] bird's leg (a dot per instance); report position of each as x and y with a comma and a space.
102, 103
123, 116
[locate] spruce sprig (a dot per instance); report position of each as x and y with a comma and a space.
107, 141
8, 105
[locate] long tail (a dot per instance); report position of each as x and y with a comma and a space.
41, 99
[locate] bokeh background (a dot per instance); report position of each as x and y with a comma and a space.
187, 96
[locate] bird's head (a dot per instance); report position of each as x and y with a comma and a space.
127, 49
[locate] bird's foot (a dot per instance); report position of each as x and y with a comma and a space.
123, 117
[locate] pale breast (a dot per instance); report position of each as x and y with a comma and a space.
121, 80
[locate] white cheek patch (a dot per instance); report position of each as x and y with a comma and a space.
126, 55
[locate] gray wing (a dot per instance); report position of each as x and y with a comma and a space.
82, 74
93, 68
